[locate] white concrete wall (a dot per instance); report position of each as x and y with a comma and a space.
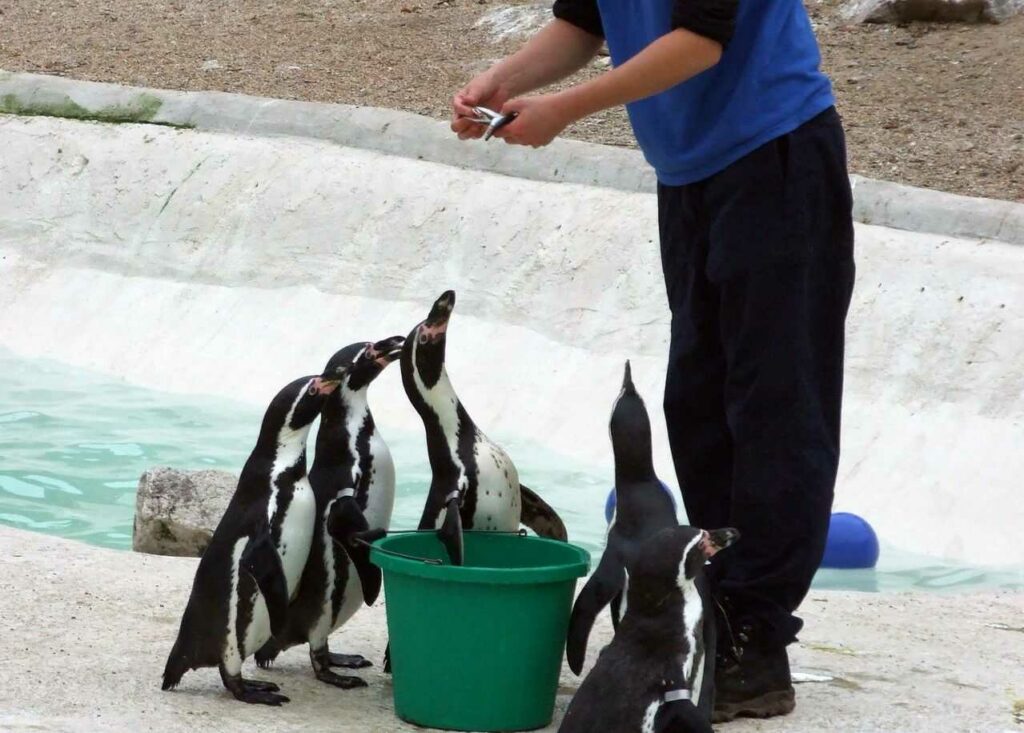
208, 263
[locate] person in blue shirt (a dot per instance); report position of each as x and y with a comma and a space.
730, 108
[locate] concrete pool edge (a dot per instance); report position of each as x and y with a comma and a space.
158, 256
414, 136
101, 622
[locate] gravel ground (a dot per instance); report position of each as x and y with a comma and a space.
930, 105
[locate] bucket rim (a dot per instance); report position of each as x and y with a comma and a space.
563, 571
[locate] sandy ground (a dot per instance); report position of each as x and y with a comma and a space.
931, 105
86, 632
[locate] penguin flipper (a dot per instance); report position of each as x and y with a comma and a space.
261, 561
348, 528
540, 517
267, 653
681, 716
450, 532
603, 586
616, 610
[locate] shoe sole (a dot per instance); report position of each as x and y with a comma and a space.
768, 705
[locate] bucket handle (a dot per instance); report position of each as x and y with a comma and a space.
428, 560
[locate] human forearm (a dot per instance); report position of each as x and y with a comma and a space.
670, 60
557, 51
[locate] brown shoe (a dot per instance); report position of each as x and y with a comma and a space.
752, 681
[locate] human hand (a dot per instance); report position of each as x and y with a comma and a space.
484, 90
539, 120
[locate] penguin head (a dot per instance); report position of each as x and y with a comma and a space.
364, 361
702, 547
339, 366
671, 558
630, 430
302, 401
425, 346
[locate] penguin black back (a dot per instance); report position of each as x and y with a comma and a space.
642, 508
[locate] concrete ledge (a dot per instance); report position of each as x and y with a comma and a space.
383, 130
413, 136
937, 212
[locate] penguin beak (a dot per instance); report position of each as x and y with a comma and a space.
388, 350
322, 386
718, 539
627, 379
442, 309
434, 328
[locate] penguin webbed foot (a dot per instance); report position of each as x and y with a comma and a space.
321, 660
261, 686
338, 680
348, 661
260, 697
254, 692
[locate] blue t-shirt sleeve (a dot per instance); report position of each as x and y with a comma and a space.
714, 19
581, 13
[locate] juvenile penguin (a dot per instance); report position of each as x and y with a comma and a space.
250, 571
657, 675
353, 466
642, 508
475, 485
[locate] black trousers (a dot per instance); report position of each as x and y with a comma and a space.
758, 264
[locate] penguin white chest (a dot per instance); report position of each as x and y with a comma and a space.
297, 533
352, 599
380, 499
498, 503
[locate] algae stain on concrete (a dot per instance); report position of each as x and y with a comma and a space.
141, 109
829, 649
845, 684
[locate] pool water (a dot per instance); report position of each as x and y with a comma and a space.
74, 443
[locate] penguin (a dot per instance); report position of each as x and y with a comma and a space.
657, 674
475, 485
251, 569
642, 508
353, 480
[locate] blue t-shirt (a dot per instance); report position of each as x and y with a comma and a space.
767, 84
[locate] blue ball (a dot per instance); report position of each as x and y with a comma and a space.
609, 504
851, 543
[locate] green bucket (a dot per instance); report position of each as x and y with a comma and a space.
478, 647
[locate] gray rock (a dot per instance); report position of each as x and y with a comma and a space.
177, 511
938, 11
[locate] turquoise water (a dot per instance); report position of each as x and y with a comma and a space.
73, 446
